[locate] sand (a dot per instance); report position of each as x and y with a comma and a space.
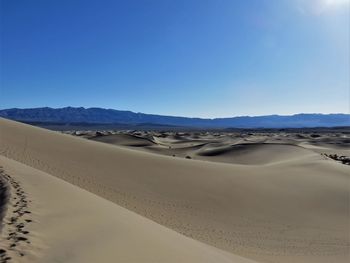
240, 148
274, 202
69, 224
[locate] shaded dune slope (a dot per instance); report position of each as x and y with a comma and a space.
294, 211
254, 153
125, 140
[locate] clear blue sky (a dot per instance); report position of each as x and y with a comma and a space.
206, 58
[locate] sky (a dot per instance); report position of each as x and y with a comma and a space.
202, 58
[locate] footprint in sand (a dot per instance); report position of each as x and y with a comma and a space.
18, 221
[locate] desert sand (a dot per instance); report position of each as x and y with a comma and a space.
235, 198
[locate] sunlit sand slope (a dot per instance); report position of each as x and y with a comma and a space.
65, 223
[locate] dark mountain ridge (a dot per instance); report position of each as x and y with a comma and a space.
109, 116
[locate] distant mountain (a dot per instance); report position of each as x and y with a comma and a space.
109, 116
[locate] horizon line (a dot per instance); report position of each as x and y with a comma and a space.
177, 116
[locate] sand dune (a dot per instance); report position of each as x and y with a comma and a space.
293, 208
68, 224
255, 153
125, 139
249, 149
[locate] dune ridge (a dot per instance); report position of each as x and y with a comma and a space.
291, 211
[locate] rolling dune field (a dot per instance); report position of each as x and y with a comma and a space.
175, 197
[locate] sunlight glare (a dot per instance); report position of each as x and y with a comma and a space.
333, 3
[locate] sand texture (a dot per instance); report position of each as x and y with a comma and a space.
267, 198
65, 223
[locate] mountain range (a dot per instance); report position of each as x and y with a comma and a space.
71, 115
